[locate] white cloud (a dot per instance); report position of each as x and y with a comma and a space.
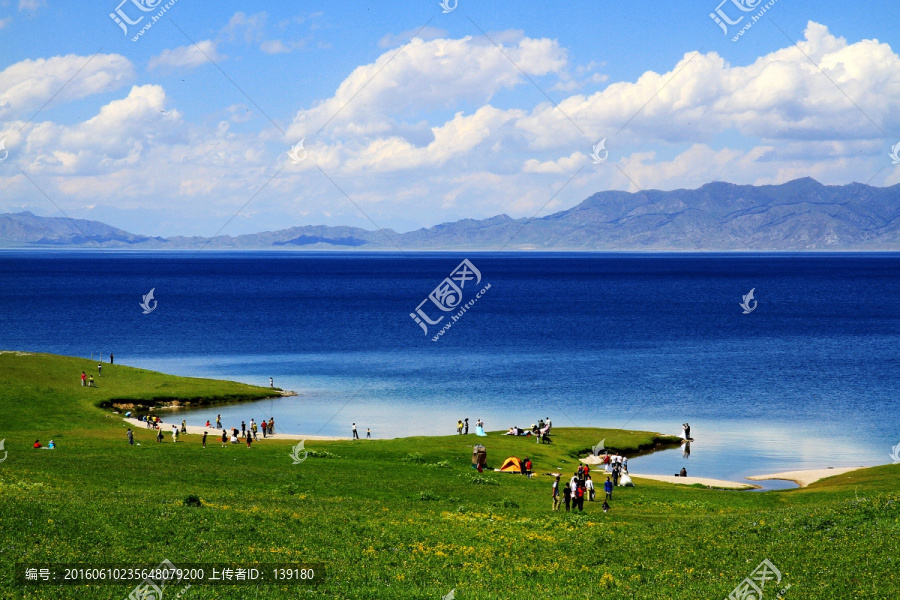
31, 4
186, 57
5, 22
28, 84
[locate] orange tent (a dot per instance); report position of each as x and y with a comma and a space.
511, 465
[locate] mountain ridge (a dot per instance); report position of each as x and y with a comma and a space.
798, 215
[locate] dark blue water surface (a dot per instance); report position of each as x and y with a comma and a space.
808, 379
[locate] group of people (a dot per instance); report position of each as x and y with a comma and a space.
249, 433
579, 486
50, 446
88, 381
686, 431
356, 433
540, 429
268, 427
462, 427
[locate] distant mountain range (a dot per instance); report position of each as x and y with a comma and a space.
799, 215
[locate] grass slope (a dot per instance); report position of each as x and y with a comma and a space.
400, 518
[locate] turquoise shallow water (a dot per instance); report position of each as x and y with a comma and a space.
807, 380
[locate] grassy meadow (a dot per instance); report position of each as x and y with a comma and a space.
397, 519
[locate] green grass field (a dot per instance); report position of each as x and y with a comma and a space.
399, 518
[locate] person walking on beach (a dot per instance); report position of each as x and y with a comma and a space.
204, 439
264, 426
254, 429
130, 435
218, 421
368, 433
567, 497
466, 432
174, 433
224, 439
183, 426
243, 429
83, 379
555, 494
355, 435
271, 425
608, 487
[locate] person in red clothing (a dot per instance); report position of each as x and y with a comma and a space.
37, 443
527, 467
83, 379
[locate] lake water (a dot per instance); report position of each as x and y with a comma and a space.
806, 380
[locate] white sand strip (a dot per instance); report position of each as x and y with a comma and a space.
716, 483
804, 478
166, 427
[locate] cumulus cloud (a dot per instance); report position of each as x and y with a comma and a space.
26, 85
186, 57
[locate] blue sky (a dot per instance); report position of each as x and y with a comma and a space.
491, 108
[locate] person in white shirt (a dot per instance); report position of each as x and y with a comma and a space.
590, 488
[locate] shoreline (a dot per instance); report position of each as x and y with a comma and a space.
805, 477
166, 427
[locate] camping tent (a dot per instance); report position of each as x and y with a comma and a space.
511, 465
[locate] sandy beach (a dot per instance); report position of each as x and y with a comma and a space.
716, 483
213, 432
804, 478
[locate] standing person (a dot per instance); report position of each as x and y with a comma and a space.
224, 438
149, 419
111, 357
264, 426
204, 439
687, 430
527, 467
271, 425
589, 484
579, 495
183, 426
467, 427
83, 379
249, 440
99, 369
608, 488
368, 433
174, 433
567, 497
218, 421
254, 429
243, 429
159, 435
91, 381
271, 382
355, 435
459, 426
130, 435
555, 494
